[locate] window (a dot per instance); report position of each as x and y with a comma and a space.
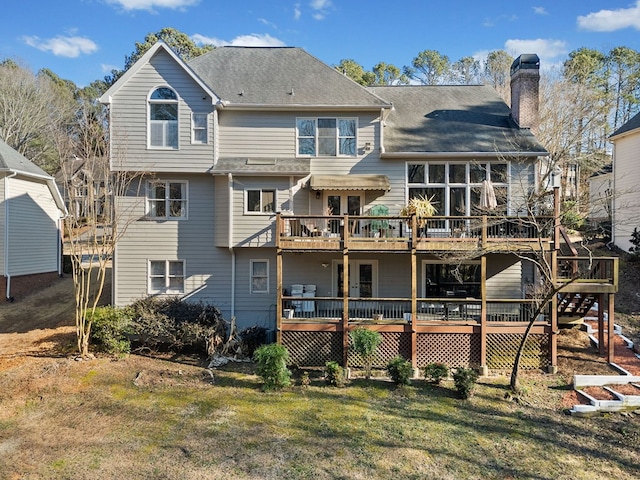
326, 137
166, 276
456, 187
199, 128
261, 201
452, 280
163, 118
167, 199
259, 276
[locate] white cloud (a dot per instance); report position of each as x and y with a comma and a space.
546, 49
150, 5
297, 13
611, 20
540, 11
106, 68
320, 8
252, 40
61, 46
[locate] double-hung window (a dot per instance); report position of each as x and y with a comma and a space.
163, 118
260, 201
199, 131
326, 137
167, 199
259, 276
166, 276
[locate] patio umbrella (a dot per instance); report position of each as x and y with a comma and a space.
487, 196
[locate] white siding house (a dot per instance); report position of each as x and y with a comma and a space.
31, 210
626, 182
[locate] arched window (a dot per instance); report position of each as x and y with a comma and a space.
163, 118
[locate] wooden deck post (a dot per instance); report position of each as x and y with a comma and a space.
484, 369
279, 295
345, 304
414, 305
601, 345
610, 333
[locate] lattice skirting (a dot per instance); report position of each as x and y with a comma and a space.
393, 343
502, 348
452, 349
313, 349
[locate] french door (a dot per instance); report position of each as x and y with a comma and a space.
363, 279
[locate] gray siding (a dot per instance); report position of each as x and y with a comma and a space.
33, 228
504, 277
129, 115
208, 269
626, 185
523, 182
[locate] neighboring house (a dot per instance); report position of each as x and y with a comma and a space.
273, 190
601, 197
31, 211
83, 185
626, 182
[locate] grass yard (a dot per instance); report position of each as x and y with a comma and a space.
149, 418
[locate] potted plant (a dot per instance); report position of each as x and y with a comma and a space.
420, 206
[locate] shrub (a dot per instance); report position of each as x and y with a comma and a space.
571, 217
110, 329
634, 252
176, 325
272, 366
400, 370
365, 343
436, 372
334, 374
465, 380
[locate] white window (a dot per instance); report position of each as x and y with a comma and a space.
259, 276
260, 201
199, 128
163, 118
166, 276
326, 137
167, 199
456, 187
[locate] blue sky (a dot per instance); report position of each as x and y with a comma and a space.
82, 40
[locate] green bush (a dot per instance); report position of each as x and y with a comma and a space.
571, 217
435, 372
365, 343
465, 380
334, 374
110, 329
400, 370
272, 366
634, 252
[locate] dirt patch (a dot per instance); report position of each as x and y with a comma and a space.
599, 393
626, 389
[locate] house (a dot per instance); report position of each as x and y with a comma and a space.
83, 185
626, 178
31, 211
273, 186
601, 198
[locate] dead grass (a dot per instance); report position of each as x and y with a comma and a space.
164, 418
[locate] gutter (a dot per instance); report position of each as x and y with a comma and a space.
7, 275
411, 155
304, 107
231, 250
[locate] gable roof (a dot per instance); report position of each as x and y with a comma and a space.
457, 119
11, 161
159, 45
279, 77
632, 124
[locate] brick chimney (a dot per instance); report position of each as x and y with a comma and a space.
525, 85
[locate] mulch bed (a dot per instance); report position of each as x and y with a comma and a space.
626, 389
599, 393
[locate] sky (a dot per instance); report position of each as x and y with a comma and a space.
83, 40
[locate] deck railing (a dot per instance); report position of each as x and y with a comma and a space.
588, 270
324, 231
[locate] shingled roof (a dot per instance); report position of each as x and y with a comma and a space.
11, 160
278, 76
627, 127
452, 119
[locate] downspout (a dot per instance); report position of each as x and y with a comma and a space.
6, 234
231, 250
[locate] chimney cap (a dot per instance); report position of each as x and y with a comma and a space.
526, 61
